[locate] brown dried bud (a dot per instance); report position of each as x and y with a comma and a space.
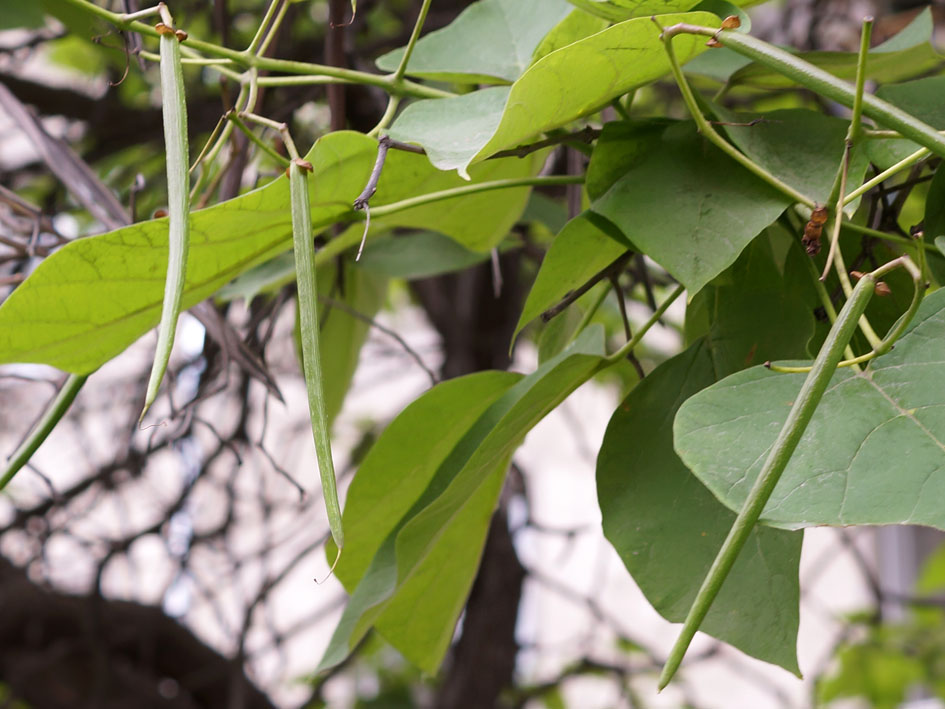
304, 165
881, 289
819, 215
857, 275
181, 35
811, 239
158, 213
713, 43
731, 23
163, 29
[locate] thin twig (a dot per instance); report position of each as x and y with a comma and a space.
615, 267
344, 307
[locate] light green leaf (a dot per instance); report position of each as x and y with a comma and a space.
490, 41
906, 55
667, 527
401, 464
576, 26
872, 453
343, 334
95, 296
921, 98
689, 207
466, 463
567, 84
620, 10
580, 251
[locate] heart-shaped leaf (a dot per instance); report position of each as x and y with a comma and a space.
873, 453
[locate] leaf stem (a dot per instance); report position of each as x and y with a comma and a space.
411, 43
805, 403
249, 60
895, 332
706, 129
627, 348
821, 82
462, 190
54, 412
886, 174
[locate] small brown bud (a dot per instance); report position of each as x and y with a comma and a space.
158, 213
882, 289
181, 35
857, 275
819, 215
731, 23
163, 29
713, 43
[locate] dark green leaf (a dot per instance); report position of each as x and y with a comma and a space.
690, 207
16, 14
760, 309
667, 527
921, 98
801, 147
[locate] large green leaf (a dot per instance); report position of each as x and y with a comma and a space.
576, 26
490, 40
688, 206
923, 99
393, 476
580, 251
572, 82
872, 453
667, 527
94, 297
475, 450
906, 55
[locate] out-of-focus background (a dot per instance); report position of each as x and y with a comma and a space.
175, 565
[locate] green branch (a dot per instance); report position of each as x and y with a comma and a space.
821, 82
248, 60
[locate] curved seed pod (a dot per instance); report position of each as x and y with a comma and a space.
308, 329
812, 391
178, 207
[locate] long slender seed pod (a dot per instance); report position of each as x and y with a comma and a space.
812, 391
53, 414
308, 327
178, 207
